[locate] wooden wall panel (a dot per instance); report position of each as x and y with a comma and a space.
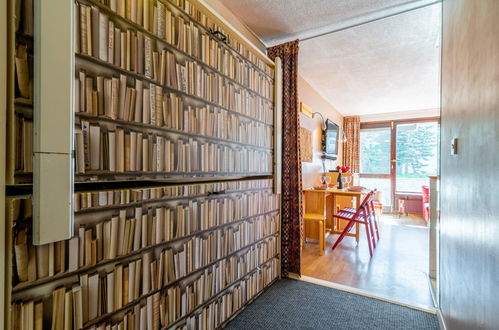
469, 244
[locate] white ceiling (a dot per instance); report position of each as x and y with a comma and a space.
390, 65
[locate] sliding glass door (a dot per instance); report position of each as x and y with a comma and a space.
397, 157
375, 159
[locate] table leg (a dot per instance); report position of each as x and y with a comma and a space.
322, 233
335, 220
357, 227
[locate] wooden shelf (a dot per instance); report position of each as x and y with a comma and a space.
167, 199
170, 177
149, 127
165, 88
24, 102
171, 47
23, 286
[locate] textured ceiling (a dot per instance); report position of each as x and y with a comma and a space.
277, 21
389, 65
386, 66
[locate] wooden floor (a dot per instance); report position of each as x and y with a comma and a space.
397, 270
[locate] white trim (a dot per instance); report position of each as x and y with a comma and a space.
441, 320
433, 293
361, 292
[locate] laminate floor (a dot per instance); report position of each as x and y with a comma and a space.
398, 269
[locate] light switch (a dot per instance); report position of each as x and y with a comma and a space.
453, 146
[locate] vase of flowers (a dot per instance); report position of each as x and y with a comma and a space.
341, 169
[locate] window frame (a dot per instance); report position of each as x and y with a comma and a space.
392, 125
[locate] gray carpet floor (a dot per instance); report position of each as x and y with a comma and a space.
291, 304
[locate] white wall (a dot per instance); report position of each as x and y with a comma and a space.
311, 171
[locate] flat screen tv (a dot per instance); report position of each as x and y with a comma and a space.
330, 138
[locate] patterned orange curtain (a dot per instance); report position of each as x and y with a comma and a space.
351, 148
291, 199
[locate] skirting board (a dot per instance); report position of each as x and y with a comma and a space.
361, 292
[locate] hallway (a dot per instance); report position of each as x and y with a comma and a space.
397, 271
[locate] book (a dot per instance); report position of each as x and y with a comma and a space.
27, 16
118, 286
42, 264
38, 322
27, 312
58, 308
88, 248
22, 71
84, 297
110, 292
93, 296
114, 236
103, 34
21, 253
68, 310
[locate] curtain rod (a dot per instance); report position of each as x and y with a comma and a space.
371, 20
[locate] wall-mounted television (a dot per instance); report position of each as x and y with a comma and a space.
330, 138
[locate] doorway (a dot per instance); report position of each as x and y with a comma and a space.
396, 158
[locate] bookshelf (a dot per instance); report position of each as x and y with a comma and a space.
176, 215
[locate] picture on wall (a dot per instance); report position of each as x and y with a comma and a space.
306, 145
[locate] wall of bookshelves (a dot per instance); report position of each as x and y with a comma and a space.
176, 220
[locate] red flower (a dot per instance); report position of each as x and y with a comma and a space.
345, 169
338, 167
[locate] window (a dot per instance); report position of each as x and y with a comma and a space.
417, 155
398, 156
375, 151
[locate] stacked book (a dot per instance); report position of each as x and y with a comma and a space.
112, 98
88, 200
135, 229
113, 41
114, 149
147, 291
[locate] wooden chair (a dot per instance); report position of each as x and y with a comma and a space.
372, 215
315, 218
362, 215
369, 215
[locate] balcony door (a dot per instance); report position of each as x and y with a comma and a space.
397, 157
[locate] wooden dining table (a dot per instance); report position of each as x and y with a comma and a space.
331, 206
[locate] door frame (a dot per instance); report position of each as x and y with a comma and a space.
392, 125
